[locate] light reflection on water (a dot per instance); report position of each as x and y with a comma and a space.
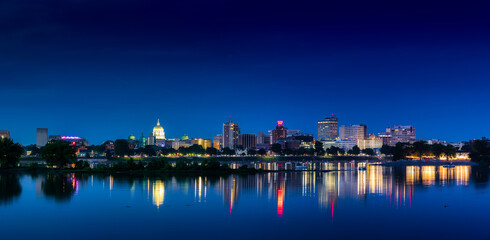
336, 197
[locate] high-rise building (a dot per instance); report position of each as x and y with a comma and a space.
279, 132
328, 128
247, 140
231, 131
150, 140
262, 141
4, 134
353, 132
41, 137
218, 141
403, 134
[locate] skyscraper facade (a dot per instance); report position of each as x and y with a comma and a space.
247, 140
353, 132
279, 132
218, 141
231, 131
328, 128
41, 137
403, 134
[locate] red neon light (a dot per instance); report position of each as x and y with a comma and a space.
280, 122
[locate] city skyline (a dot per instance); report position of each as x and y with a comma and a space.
75, 68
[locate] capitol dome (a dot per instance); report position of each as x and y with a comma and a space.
158, 131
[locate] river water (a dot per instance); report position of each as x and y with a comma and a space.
413, 202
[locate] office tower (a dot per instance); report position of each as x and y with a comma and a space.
231, 131
41, 137
247, 140
403, 134
218, 141
328, 128
279, 132
353, 132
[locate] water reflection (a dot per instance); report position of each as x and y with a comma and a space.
395, 185
60, 187
10, 188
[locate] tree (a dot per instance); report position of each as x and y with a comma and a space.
386, 150
262, 152
400, 151
437, 149
333, 150
450, 151
319, 148
369, 151
276, 148
480, 151
121, 148
211, 151
10, 153
228, 151
59, 153
355, 150
251, 151
420, 148
35, 151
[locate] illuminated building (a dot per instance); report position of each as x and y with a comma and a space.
143, 140
41, 137
353, 132
370, 142
77, 142
247, 140
279, 132
402, 134
132, 137
205, 143
262, 141
218, 141
328, 128
150, 140
158, 132
231, 131
4, 134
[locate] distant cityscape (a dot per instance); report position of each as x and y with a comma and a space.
329, 134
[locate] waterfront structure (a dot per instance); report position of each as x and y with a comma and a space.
231, 131
279, 132
353, 132
218, 141
247, 140
41, 137
4, 134
328, 128
402, 134
372, 141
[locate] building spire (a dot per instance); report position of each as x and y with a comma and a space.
158, 122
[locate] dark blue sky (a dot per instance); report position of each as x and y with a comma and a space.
106, 69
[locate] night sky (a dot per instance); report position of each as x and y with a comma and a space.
107, 69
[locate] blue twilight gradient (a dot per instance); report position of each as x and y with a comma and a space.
107, 69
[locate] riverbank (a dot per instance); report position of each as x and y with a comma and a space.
426, 163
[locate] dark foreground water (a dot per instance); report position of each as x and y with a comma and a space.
381, 203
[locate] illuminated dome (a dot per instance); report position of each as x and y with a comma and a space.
158, 131
184, 138
132, 137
